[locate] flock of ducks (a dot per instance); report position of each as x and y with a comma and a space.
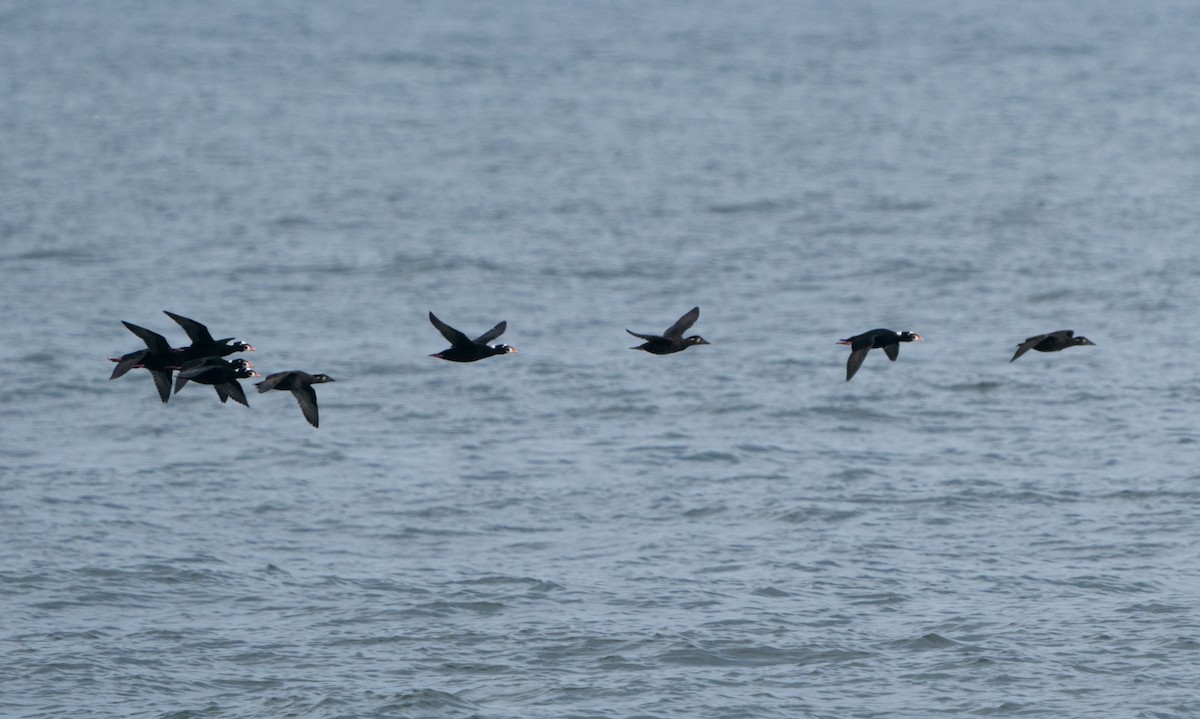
672, 340
203, 361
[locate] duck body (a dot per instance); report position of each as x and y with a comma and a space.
158, 359
221, 374
885, 339
1051, 342
300, 384
465, 349
671, 340
203, 345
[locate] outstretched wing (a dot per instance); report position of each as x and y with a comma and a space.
452, 335
271, 380
892, 351
128, 362
307, 397
491, 334
162, 380
232, 390
648, 338
855, 361
156, 342
1027, 345
683, 324
196, 332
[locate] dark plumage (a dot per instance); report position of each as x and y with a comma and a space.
464, 349
1051, 342
222, 374
672, 340
158, 358
203, 345
300, 385
887, 340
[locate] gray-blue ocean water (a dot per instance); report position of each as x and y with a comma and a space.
578, 530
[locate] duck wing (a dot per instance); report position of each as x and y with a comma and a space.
154, 341
231, 390
1027, 345
491, 334
162, 380
128, 362
683, 324
453, 336
855, 361
892, 351
648, 338
196, 332
307, 397
271, 381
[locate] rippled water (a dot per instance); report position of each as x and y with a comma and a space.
577, 529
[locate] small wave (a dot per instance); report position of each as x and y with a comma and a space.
402, 57
66, 254
411, 263
981, 386
929, 641
849, 413
1155, 608
853, 473
817, 514
530, 583
891, 204
771, 592
763, 205
291, 221
752, 656
1110, 585
698, 512
477, 606
711, 456
422, 699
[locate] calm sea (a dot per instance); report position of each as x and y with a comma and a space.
578, 530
